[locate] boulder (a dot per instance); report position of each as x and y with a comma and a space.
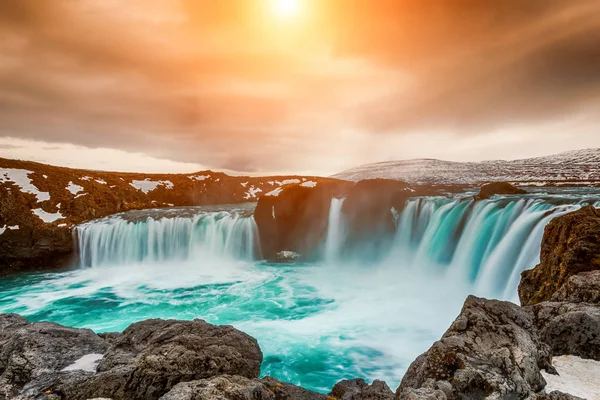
569, 328
239, 388
358, 389
222, 387
144, 362
295, 218
492, 349
580, 288
28, 351
571, 245
490, 189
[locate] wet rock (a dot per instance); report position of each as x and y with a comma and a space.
492, 349
287, 391
490, 189
358, 389
580, 288
30, 350
571, 245
569, 328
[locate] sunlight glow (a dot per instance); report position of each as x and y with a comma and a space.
286, 8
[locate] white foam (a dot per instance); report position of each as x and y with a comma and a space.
577, 377
88, 363
46, 216
147, 185
20, 177
73, 188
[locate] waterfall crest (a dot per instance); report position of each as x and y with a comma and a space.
114, 240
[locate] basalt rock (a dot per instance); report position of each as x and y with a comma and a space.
492, 349
490, 189
223, 387
152, 356
580, 288
569, 328
368, 215
358, 389
28, 351
571, 245
295, 218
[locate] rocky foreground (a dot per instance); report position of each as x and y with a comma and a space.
493, 350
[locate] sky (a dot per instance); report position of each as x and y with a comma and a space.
295, 86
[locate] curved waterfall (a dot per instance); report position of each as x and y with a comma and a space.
115, 240
485, 243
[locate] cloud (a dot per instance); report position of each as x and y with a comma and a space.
226, 85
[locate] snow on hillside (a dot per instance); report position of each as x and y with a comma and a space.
579, 165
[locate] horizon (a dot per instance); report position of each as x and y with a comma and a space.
275, 174
309, 87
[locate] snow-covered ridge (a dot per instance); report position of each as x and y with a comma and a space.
577, 165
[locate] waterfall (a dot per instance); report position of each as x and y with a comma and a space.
115, 240
335, 230
486, 243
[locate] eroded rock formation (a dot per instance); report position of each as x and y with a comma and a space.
571, 245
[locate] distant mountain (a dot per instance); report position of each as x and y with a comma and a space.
580, 167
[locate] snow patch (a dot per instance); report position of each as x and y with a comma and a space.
46, 216
199, 177
61, 225
13, 228
147, 185
251, 193
20, 177
73, 188
86, 178
80, 195
45, 176
310, 184
275, 192
244, 184
101, 181
88, 363
289, 181
2, 229
577, 377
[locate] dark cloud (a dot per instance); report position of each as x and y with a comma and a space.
218, 83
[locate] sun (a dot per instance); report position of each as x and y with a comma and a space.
286, 8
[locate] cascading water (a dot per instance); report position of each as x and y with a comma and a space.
117, 241
316, 323
335, 230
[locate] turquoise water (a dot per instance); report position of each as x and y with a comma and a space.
316, 323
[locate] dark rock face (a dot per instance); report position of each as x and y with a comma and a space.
569, 328
287, 391
368, 213
296, 219
144, 362
223, 387
490, 189
152, 356
30, 350
358, 389
492, 349
35, 244
556, 395
580, 288
571, 245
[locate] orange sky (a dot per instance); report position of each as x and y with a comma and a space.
236, 85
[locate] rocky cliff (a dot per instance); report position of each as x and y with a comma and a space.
571, 245
40, 203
